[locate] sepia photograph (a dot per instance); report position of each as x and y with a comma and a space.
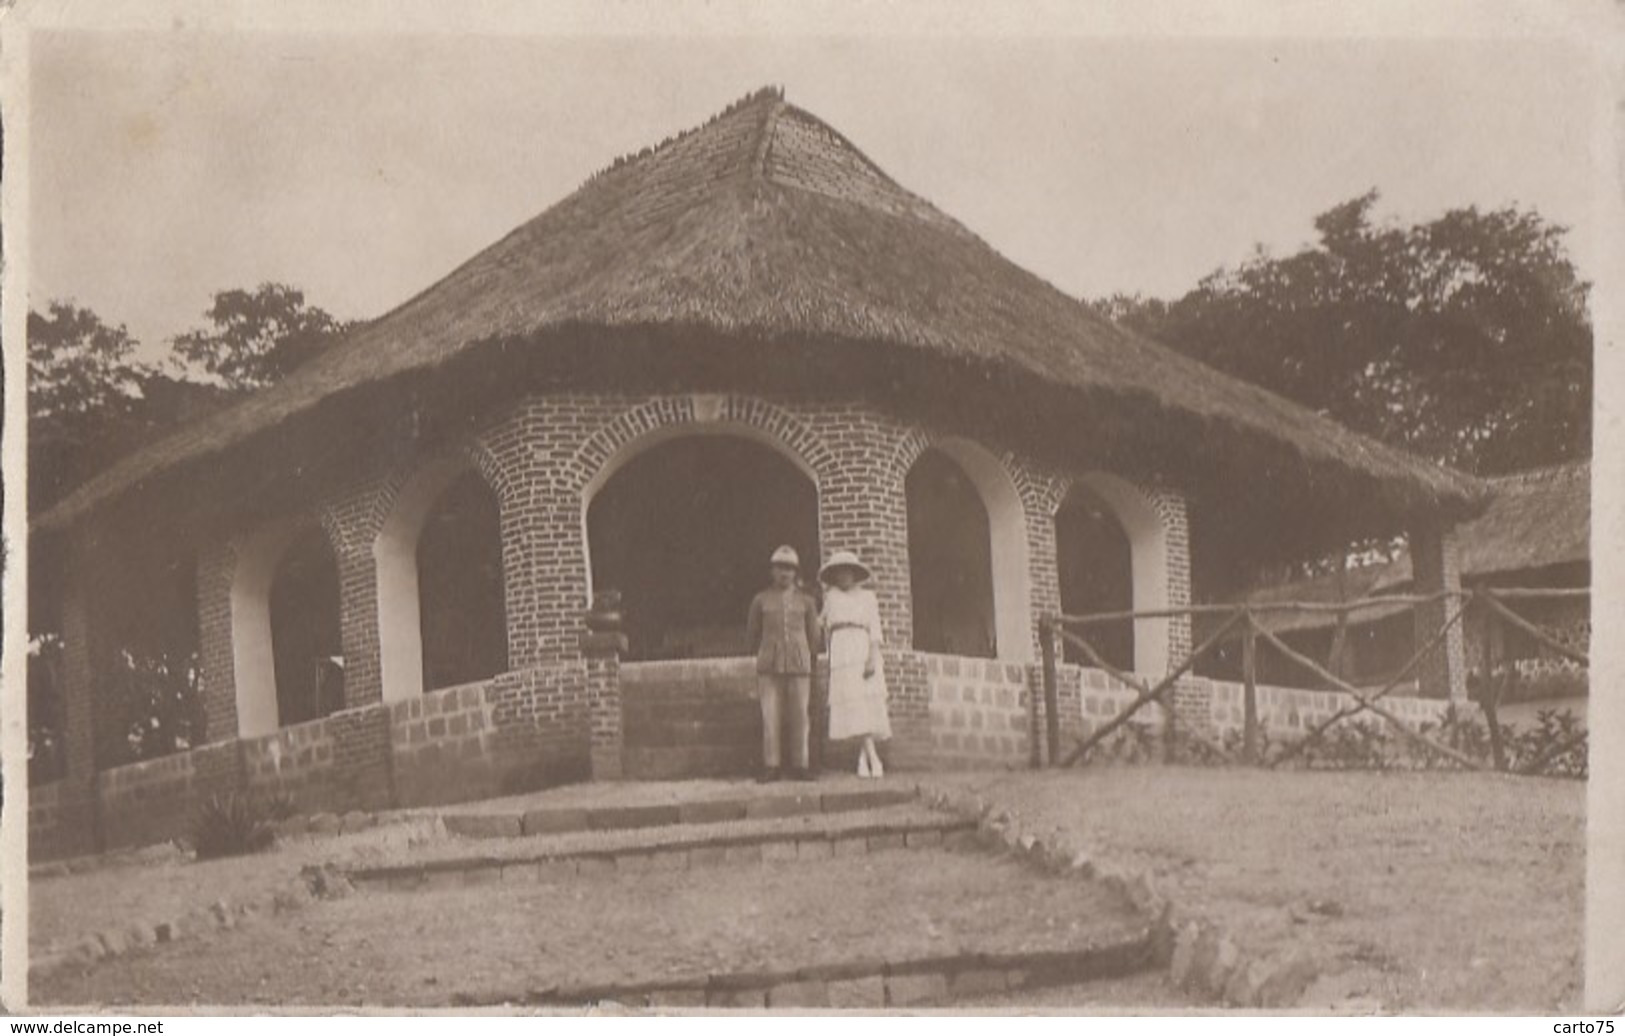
718, 509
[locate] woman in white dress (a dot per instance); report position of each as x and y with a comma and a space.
857, 684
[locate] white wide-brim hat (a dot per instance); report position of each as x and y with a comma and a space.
844, 559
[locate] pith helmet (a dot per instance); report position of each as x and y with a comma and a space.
787, 556
844, 559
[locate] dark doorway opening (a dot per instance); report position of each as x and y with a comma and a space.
460, 602
950, 560
306, 640
1095, 567
684, 531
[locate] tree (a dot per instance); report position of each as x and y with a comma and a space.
1464, 339
257, 336
84, 385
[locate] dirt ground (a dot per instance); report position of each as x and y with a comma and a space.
425, 948
1436, 891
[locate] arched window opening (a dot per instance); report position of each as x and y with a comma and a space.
950, 560
683, 531
306, 640
459, 560
1095, 566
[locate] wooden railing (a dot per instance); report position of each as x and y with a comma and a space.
1491, 605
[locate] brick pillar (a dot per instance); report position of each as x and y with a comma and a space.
1435, 569
602, 646
603, 654
216, 564
862, 507
351, 529
1040, 500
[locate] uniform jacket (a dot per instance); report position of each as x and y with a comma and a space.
783, 631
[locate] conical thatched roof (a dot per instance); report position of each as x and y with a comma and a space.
767, 225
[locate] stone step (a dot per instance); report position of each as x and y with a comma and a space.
920, 982
680, 846
795, 800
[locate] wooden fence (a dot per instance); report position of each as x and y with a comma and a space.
1493, 606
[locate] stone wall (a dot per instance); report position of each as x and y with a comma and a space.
980, 714
443, 745
333, 764
147, 801
696, 717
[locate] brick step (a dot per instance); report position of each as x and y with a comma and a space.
911, 982
795, 800
680, 847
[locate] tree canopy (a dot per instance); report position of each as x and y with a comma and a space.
1464, 339
257, 337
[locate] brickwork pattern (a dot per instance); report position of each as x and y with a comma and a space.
442, 747
979, 711
147, 801
217, 562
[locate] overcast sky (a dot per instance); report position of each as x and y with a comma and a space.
167, 166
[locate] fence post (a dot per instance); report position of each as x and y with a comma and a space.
1249, 690
1489, 688
1052, 696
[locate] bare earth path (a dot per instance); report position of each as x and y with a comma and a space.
1439, 891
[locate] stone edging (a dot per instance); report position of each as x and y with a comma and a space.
1202, 958
914, 982
311, 883
678, 855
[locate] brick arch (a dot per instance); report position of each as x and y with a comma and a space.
1154, 523
999, 480
402, 506
255, 557
670, 416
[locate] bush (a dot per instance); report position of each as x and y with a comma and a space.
1556, 747
231, 825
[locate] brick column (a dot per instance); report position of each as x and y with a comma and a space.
862, 507
602, 646
351, 526
1041, 498
217, 682
1435, 569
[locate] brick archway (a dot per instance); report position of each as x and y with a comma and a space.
395, 557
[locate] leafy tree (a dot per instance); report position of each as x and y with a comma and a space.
1464, 339
257, 336
84, 385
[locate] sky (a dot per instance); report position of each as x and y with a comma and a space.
168, 165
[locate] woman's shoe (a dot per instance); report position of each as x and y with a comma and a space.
863, 763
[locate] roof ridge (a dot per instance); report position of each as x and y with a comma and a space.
757, 96
764, 142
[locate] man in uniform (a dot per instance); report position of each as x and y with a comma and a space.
783, 631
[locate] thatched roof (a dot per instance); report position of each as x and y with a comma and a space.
766, 225
1536, 520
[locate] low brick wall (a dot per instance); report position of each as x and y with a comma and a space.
61, 820
148, 801
979, 711
334, 764
1287, 712
444, 747
690, 718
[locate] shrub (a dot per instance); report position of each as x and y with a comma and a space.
231, 825
1556, 747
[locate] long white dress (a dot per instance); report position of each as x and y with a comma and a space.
857, 705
